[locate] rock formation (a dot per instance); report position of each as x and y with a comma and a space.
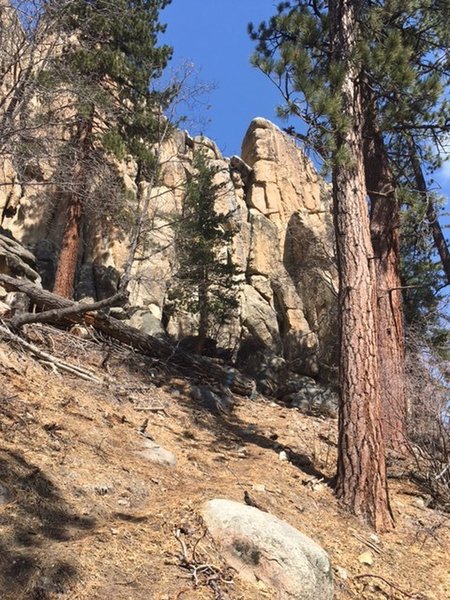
284, 249
262, 548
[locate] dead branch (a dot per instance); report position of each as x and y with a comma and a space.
60, 314
162, 349
368, 543
389, 583
48, 358
202, 573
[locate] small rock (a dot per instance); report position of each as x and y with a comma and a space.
366, 558
341, 573
374, 538
259, 487
283, 456
157, 454
419, 503
241, 451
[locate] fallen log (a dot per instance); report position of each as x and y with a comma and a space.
156, 347
59, 314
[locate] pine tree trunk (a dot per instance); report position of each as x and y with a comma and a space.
361, 478
385, 235
203, 315
70, 245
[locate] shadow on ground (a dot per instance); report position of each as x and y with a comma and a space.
230, 431
35, 523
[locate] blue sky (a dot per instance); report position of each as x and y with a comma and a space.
212, 34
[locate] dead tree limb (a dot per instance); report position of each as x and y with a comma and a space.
48, 358
156, 347
60, 314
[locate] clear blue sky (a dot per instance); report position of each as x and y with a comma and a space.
213, 35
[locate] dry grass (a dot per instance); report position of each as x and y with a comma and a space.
88, 519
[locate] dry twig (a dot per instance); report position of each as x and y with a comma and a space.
414, 596
202, 573
48, 358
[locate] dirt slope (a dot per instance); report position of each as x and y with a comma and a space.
83, 516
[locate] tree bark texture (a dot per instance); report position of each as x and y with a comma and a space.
203, 323
385, 236
70, 245
361, 481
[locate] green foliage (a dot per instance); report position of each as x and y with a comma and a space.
112, 61
206, 275
401, 54
422, 276
403, 62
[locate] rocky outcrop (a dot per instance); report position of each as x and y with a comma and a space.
291, 254
262, 548
16, 260
284, 250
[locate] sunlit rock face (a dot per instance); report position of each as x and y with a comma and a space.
284, 247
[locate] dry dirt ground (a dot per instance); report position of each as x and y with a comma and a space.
84, 517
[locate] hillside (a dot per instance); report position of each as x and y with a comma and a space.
85, 516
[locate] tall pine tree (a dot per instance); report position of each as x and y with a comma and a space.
205, 281
111, 61
400, 67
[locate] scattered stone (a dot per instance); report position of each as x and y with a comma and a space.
242, 452
419, 502
259, 487
262, 547
314, 399
341, 573
366, 558
146, 322
157, 454
214, 402
283, 456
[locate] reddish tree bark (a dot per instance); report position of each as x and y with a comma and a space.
385, 236
361, 478
70, 245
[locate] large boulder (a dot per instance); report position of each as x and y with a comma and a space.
261, 547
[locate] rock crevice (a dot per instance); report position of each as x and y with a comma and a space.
283, 248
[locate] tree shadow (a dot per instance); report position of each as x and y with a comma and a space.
35, 522
228, 430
